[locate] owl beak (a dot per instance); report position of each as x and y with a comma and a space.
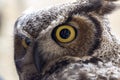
38, 59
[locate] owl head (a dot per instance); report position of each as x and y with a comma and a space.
63, 31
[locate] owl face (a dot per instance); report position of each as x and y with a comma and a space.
47, 35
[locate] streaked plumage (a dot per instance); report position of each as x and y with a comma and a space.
71, 41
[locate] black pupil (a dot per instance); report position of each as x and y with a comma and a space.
65, 33
28, 41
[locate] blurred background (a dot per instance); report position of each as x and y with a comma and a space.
9, 11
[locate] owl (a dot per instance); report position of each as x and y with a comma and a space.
70, 41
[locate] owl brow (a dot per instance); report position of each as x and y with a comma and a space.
68, 19
21, 36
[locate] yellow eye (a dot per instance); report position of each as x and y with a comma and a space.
26, 42
65, 33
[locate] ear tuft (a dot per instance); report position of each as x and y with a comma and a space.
107, 7
111, 0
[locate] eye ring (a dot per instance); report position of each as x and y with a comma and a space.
26, 42
65, 33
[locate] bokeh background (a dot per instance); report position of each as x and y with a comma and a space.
9, 11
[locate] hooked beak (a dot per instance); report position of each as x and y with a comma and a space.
38, 58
